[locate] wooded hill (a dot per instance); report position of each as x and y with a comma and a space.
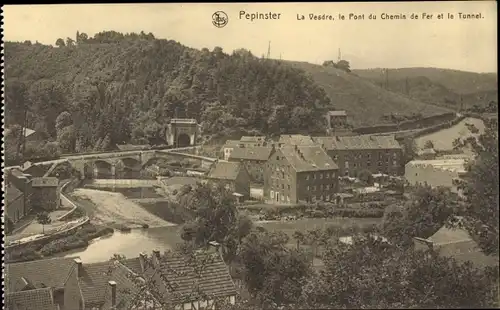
366, 102
94, 92
442, 87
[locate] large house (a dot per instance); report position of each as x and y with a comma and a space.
353, 154
171, 280
300, 173
435, 172
17, 195
233, 175
287, 140
45, 193
254, 159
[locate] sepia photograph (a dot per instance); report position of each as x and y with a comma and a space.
248, 156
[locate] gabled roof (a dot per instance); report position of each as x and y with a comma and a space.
222, 170
93, 279
457, 243
308, 158
296, 140
39, 299
361, 142
28, 132
45, 182
204, 277
251, 153
51, 272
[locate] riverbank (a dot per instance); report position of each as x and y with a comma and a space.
111, 208
79, 240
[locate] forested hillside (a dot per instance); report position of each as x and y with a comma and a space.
365, 102
93, 92
443, 87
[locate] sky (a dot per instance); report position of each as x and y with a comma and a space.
461, 44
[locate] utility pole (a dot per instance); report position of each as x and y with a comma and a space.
339, 57
269, 50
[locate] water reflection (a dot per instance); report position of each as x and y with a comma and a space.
129, 244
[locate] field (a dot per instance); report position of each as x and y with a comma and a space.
443, 139
364, 101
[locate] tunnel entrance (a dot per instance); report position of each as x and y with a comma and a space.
183, 140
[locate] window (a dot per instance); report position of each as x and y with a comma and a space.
307, 177
333, 175
288, 186
282, 186
314, 176
308, 188
394, 163
232, 300
327, 175
282, 197
321, 175
272, 194
313, 198
327, 186
380, 163
321, 198
346, 173
346, 165
335, 157
394, 155
368, 156
321, 187
288, 198
355, 165
327, 197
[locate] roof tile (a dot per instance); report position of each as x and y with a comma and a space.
360, 142
308, 158
39, 299
251, 153
224, 170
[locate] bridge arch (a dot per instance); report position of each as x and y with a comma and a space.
131, 162
184, 140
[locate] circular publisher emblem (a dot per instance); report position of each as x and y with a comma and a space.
219, 19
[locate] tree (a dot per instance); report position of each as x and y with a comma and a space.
366, 177
63, 120
60, 42
215, 219
409, 149
425, 213
429, 144
343, 65
43, 218
479, 185
372, 273
273, 273
70, 42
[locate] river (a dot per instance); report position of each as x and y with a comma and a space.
130, 244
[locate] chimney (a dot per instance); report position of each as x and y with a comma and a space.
112, 286
142, 261
79, 266
156, 258
215, 247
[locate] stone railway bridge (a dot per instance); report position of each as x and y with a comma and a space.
117, 161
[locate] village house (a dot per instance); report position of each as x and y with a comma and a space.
45, 193
372, 153
254, 159
244, 142
456, 242
300, 173
337, 123
233, 175
17, 195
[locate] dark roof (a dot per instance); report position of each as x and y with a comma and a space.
188, 281
133, 264
296, 140
39, 299
126, 288
361, 142
45, 182
51, 272
308, 158
222, 170
251, 153
93, 279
